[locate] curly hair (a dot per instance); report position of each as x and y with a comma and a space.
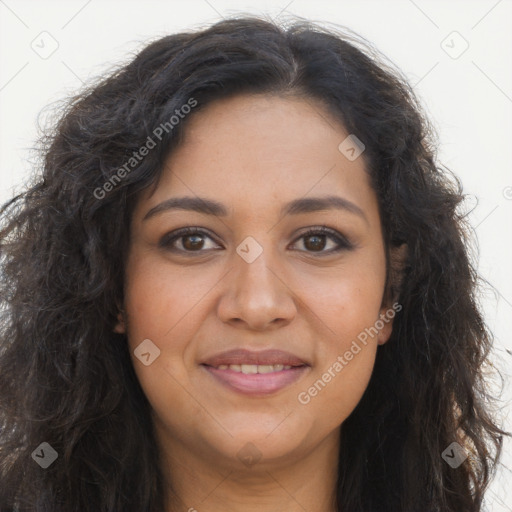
66, 378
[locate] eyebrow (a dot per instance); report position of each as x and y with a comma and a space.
295, 207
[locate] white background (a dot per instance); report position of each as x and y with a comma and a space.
469, 99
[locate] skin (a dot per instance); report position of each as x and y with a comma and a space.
254, 154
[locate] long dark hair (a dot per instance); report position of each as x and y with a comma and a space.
66, 378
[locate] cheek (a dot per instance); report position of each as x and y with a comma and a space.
337, 391
167, 307
346, 299
348, 303
160, 302
159, 306
345, 361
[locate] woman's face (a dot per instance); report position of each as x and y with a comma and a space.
249, 287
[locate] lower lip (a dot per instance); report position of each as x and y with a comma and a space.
257, 383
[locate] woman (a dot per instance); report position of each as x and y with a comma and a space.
241, 283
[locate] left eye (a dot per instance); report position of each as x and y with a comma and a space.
315, 240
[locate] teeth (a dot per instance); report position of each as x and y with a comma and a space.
254, 368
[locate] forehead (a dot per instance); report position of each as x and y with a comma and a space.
258, 152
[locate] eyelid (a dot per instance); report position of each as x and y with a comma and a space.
343, 243
166, 240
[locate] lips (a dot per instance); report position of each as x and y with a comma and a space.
255, 373
257, 384
248, 357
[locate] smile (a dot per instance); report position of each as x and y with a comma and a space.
256, 380
254, 368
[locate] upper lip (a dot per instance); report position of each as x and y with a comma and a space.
265, 357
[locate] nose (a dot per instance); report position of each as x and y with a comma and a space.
256, 296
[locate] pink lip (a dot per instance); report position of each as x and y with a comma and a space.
256, 383
242, 356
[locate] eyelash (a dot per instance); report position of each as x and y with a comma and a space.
342, 242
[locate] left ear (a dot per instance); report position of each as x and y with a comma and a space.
387, 328
398, 258
120, 326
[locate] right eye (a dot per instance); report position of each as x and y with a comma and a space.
186, 240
